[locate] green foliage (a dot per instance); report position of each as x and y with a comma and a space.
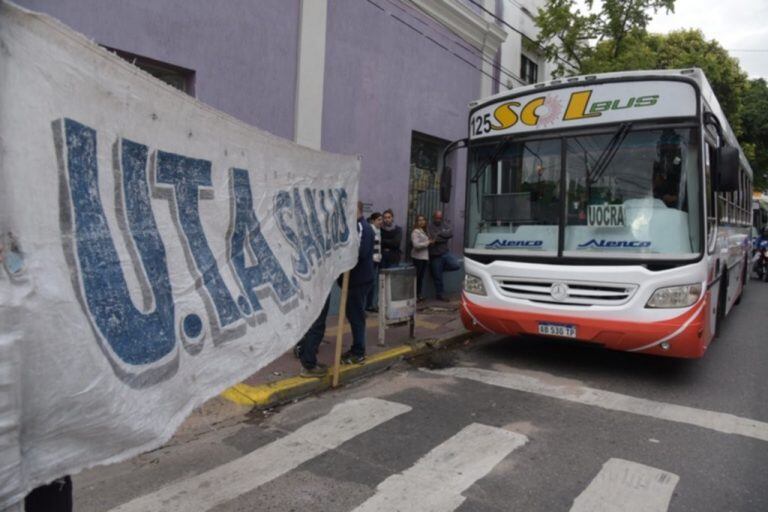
567, 32
677, 50
754, 118
640, 52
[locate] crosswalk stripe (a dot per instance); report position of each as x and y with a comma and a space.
228, 481
629, 487
436, 481
720, 422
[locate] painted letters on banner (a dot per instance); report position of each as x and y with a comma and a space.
154, 252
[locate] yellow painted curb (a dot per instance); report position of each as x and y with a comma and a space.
266, 394
402, 350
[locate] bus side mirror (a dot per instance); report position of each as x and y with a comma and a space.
727, 169
446, 184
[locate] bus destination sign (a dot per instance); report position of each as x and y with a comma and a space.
579, 106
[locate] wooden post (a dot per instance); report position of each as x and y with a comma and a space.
340, 330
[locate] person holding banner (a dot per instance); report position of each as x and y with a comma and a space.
306, 348
360, 281
53, 497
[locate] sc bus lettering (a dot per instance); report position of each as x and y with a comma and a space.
580, 106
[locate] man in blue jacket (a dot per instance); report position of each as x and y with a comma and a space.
360, 282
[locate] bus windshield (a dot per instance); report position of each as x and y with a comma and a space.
628, 193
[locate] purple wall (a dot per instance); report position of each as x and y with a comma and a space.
390, 70
244, 55
384, 80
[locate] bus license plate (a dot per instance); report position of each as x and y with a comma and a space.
566, 331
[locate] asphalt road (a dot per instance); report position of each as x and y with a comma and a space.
500, 424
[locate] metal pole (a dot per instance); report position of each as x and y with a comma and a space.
340, 330
412, 320
382, 284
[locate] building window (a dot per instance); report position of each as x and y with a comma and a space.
181, 78
529, 70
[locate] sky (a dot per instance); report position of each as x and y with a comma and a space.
737, 25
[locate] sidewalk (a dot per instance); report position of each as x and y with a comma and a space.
437, 324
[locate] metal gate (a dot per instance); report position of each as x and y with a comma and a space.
424, 188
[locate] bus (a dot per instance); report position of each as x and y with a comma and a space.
612, 209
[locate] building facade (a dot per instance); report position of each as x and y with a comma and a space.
389, 80
521, 60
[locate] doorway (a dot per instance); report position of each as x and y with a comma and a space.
424, 185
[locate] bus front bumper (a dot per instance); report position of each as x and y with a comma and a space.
683, 336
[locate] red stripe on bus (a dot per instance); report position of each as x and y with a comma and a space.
687, 335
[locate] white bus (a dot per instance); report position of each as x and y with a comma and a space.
612, 209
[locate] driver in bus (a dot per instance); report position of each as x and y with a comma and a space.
664, 190
667, 168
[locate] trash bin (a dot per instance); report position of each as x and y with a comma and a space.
397, 299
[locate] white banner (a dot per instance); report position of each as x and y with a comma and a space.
584, 105
155, 252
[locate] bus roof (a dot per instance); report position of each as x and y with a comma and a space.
695, 75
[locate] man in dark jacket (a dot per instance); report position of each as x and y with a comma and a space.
391, 238
360, 281
440, 259
53, 497
306, 348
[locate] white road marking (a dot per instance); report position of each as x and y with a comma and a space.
228, 481
436, 481
629, 487
721, 422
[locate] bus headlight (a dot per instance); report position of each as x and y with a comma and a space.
473, 284
675, 296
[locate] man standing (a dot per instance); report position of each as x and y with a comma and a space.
391, 238
306, 348
360, 281
440, 260
53, 497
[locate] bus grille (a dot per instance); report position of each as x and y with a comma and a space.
577, 293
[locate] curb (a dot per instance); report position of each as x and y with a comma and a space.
286, 390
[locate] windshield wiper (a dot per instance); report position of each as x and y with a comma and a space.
605, 158
503, 145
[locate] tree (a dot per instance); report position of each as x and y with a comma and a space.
755, 121
567, 32
689, 48
678, 50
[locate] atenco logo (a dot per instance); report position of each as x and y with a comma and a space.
613, 244
500, 244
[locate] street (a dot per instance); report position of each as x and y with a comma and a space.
337, 255
499, 424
